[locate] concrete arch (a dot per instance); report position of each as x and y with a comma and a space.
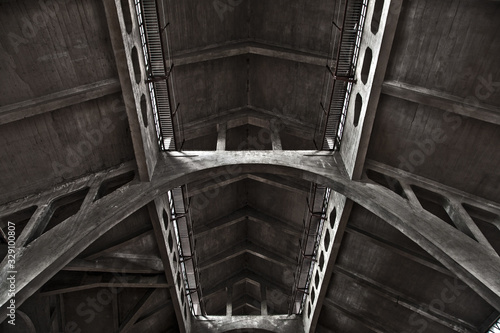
469, 260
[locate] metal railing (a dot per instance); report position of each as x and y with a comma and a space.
183, 227
168, 128
159, 76
314, 220
495, 328
339, 78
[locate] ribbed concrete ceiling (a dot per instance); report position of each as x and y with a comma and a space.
257, 61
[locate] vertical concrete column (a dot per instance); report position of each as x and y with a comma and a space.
263, 300
275, 137
221, 136
229, 301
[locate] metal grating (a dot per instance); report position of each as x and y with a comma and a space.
314, 220
182, 224
339, 78
159, 78
495, 328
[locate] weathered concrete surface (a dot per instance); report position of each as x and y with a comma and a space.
469, 260
278, 324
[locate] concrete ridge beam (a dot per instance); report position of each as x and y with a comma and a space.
59, 100
248, 46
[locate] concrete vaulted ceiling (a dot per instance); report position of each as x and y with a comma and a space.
245, 64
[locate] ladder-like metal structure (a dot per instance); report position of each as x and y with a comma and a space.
314, 219
330, 136
159, 79
334, 110
153, 35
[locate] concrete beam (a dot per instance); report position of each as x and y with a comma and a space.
136, 312
245, 275
113, 265
394, 248
247, 115
96, 281
221, 136
407, 178
244, 47
366, 321
470, 261
273, 180
407, 302
162, 228
472, 108
144, 141
356, 137
59, 100
246, 247
121, 244
250, 214
277, 324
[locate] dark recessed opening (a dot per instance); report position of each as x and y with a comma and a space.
165, 219
358, 104
66, 207
377, 15
112, 184
387, 182
327, 240
321, 261
488, 223
333, 217
367, 64
19, 218
127, 16
137, 65
170, 241
144, 110
433, 203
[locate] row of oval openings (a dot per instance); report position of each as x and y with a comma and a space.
365, 72
138, 76
333, 216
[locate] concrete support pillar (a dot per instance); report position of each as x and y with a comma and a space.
229, 301
221, 136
